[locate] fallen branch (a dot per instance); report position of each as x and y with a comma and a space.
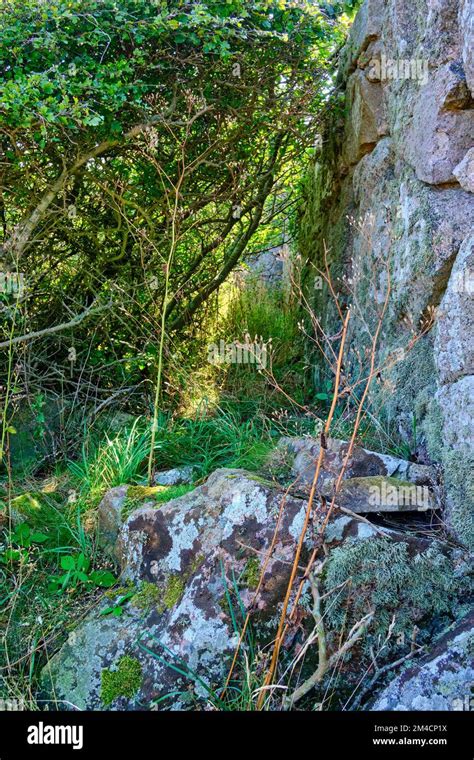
325, 663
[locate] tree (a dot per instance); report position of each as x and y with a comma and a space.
143, 145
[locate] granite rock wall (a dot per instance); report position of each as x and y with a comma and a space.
390, 197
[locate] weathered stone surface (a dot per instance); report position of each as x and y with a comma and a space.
175, 477
441, 681
370, 60
455, 320
271, 267
182, 564
464, 171
466, 22
441, 132
457, 403
400, 216
110, 515
439, 22
362, 465
366, 121
367, 27
379, 494
112, 511
189, 554
231, 507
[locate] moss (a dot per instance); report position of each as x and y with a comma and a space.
173, 492
165, 596
147, 597
379, 480
115, 593
173, 592
195, 564
135, 497
459, 480
251, 574
259, 479
433, 430
386, 576
143, 492
160, 494
224, 605
124, 681
161, 597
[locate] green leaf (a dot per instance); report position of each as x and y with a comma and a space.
68, 562
21, 535
11, 555
107, 611
102, 578
82, 562
39, 538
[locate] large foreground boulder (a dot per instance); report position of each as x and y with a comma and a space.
186, 560
189, 573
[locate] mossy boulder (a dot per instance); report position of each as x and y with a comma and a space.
196, 564
182, 558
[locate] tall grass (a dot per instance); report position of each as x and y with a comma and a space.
110, 461
206, 442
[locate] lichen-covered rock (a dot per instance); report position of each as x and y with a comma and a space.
191, 570
380, 494
185, 560
457, 403
442, 127
400, 216
366, 118
372, 482
175, 477
367, 27
112, 512
441, 681
455, 321
110, 516
466, 23
464, 171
